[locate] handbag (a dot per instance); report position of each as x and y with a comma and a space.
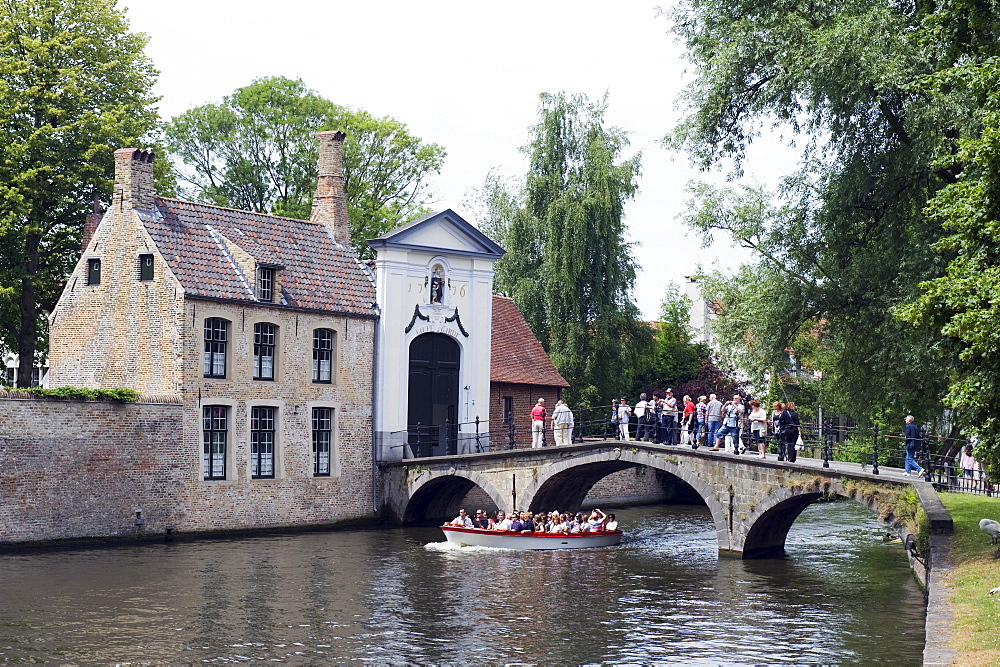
798, 443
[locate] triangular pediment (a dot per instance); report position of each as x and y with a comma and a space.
442, 232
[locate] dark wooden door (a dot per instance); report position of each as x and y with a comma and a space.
433, 395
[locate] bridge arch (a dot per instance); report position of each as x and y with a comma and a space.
767, 525
436, 494
566, 483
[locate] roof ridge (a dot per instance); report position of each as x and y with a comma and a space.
237, 210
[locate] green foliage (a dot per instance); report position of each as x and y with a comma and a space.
842, 241
962, 307
256, 151
567, 265
119, 395
74, 86
674, 360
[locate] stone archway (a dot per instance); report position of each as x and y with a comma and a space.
438, 496
573, 477
771, 519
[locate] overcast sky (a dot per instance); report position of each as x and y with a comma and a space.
465, 75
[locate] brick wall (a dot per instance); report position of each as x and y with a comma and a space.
74, 469
524, 398
295, 495
123, 332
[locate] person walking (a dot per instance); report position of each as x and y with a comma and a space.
970, 467
790, 430
758, 426
689, 437
562, 424
701, 409
733, 412
911, 432
624, 416
713, 414
779, 442
538, 415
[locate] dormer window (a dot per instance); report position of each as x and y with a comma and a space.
265, 283
93, 271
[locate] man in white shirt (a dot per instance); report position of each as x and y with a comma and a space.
640, 414
502, 523
462, 520
562, 423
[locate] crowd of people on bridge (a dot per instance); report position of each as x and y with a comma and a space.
554, 522
709, 422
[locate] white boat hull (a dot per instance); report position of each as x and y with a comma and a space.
478, 537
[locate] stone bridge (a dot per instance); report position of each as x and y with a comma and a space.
753, 501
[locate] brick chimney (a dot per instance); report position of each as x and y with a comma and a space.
329, 205
133, 179
90, 226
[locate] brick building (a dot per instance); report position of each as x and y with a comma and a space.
520, 373
263, 326
290, 367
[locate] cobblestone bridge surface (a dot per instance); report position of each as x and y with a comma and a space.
753, 501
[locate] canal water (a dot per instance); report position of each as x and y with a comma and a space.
402, 595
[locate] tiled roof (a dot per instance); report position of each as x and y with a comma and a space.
317, 273
517, 355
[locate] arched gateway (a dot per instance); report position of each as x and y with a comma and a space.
432, 404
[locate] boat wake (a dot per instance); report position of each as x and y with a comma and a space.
461, 548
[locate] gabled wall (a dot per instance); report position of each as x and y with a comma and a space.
123, 332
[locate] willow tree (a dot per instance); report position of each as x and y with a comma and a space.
74, 86
568, 265
844, 240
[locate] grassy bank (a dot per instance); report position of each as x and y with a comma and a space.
976, 635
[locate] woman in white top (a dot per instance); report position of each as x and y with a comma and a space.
758, 421
611, 523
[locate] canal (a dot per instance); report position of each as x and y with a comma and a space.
402, 595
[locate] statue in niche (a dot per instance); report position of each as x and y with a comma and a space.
437, 284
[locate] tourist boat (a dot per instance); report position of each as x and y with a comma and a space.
502, 539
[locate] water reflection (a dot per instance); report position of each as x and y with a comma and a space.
403, 595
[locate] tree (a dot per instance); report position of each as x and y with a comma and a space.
74, 86
842, 240
962, 306
674, 360
256, 151
567, 265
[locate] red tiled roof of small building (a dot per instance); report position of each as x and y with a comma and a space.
517, 355
316, 274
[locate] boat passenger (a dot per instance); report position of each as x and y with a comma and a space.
462, 520
611, 523
515, 522
596, 520
527, 523
574, 524
481, 520
502, 522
